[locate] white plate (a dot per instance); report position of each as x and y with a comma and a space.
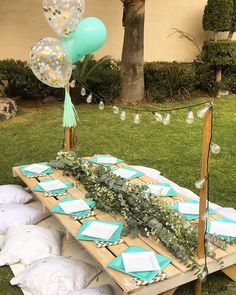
74, 206
52, 185
140, 261
158, 189
124, 173
188, 208
100, 230
223, 228
36, 168
106, 160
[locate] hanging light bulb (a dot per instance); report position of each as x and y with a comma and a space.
115, 110
137, 119
215, 148
101, 105
89, 98
201, 182
123, 116
158, 116
190, 116
205, 216
72, 84
202, 112
166, 119
83, 91
204, 274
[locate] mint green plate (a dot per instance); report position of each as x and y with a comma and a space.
38, 188
222, 219
28, 173
114, 238
58, 209
117, 264
94, 160
135, 175
191, 216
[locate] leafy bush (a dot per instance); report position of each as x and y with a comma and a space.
22, 82
219, 15
101, 77
219, 53
169, 80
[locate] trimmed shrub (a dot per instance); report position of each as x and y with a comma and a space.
218, 15
219, 53
169, 80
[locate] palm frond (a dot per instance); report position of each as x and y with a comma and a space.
101, 62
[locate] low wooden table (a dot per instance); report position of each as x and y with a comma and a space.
176, 273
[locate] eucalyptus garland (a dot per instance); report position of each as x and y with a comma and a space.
144, 213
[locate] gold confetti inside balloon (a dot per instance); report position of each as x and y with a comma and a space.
50, 62
63, 15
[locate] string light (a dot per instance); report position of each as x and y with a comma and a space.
158, 116
202, 112
201, 182
215, 148
83, 91
115, 110
190, 116
101, 105
123, 116
72, 84
89, 98
137, 119
166, 119
205, 216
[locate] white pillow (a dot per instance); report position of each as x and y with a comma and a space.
27, 243
12, 193
101, 290
18, 214
55, 276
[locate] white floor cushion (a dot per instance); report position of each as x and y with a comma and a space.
12, 193
55, 276
28, 243
18, 214
101, 290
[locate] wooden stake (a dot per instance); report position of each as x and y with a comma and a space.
203, 191
70, 139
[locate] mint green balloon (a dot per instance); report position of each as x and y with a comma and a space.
90, 35
69, 44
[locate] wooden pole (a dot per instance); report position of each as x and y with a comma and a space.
204, 191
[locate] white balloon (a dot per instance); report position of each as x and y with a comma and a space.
63, 15
50, 62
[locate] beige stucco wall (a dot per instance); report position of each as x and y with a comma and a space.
22, 23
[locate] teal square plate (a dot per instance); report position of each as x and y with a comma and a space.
38, 188
223, 219
95, 160
114, 238
58, 209
28, 173
117, 264
170, 193
135, 174
190, 216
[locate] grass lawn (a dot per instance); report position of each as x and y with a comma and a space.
35, 135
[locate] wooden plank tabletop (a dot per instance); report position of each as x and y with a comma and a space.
177, 273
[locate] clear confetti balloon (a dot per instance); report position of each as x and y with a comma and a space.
50, 62
63, 15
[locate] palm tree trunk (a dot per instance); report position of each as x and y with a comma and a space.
132, 73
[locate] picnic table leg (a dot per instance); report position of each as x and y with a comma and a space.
170, 292
230, 272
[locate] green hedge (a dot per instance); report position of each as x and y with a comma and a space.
22, 82
219, 53
219, 15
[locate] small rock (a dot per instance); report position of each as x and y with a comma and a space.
8, 108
